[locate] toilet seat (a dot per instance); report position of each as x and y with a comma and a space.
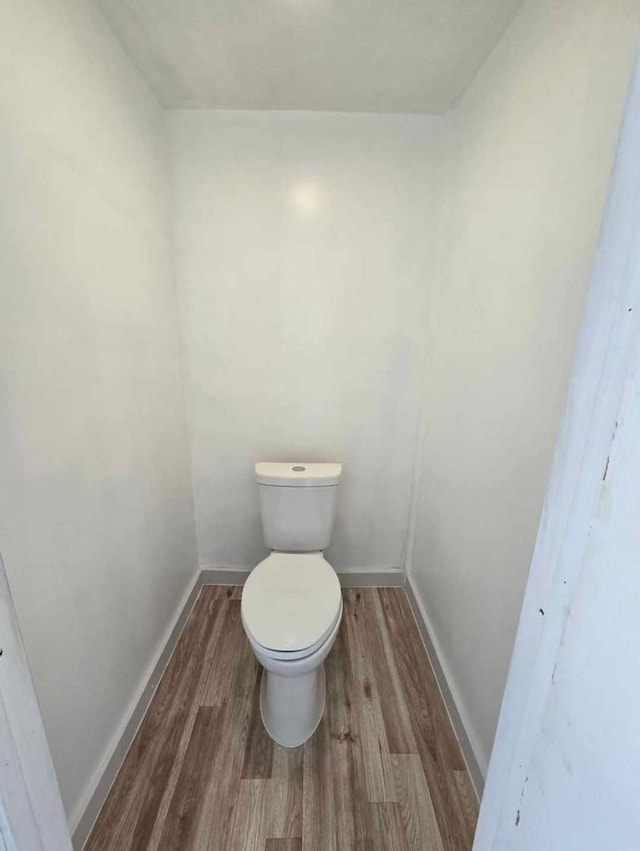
293, 655
290, 604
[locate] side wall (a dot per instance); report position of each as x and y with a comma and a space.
531, 151
96, 522
304, 244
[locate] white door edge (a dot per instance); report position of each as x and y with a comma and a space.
31, 812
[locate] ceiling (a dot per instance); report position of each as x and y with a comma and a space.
344, 55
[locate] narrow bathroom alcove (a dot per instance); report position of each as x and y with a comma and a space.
290, 231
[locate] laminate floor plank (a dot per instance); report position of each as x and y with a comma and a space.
181, 818
352, 822
373, 738
221, 792
286, 763
283, 845
387, 831
266, 809
216, 689
132, 801
258, 757
318, 811
395, 711
383, 772
439, 749
415, 807
210, 654
248, 832
467, 798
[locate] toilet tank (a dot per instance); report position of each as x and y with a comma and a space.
297, 504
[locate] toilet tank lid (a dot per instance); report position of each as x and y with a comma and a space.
297, 474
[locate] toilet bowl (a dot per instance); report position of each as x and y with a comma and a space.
291, 602
291, 612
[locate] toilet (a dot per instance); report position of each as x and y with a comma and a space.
291, 602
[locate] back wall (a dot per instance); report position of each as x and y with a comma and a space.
304, 242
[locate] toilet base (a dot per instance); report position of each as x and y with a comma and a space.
292, 707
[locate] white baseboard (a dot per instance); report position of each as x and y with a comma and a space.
392, 577
212, 575
83, 819
354, 577
470, 749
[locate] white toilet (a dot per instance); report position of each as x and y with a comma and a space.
291, 602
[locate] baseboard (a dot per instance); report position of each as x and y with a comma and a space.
392, 577
212, 575
469, 751
87, 812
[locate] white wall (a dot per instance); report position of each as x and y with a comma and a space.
304, 247
96, 524
531, 150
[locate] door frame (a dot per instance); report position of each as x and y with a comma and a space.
602, 364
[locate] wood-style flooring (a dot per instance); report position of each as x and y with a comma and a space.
383, 772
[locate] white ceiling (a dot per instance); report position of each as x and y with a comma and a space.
343, 55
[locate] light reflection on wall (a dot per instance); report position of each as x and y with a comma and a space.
307, 197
